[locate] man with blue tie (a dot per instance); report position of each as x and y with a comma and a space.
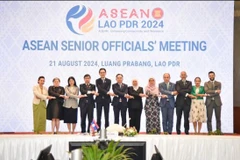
120, 99
167, 103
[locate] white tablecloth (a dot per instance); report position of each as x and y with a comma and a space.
172, 147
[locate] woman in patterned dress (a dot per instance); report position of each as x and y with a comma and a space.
198, 109
152, 108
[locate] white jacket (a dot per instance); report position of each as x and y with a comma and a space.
38, 95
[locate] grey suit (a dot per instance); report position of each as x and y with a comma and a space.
167, 106
213, 101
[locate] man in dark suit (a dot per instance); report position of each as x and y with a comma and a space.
183, 101
103, 99
120, 99
213, 101
167, 103
87, 103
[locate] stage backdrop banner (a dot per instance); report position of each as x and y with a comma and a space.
138, 39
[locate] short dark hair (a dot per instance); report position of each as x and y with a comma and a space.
197, 78
40, 77
87, 75
119, 74
102, 69
75, 84
211, 72
56, 78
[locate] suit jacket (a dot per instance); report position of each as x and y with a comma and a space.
201, 91
72, 101
120, 92
38, 96
211, 91
89, 99
182, 91
135, 103
103, 89
163, 89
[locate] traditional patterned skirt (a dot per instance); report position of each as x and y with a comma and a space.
152, 112
198, 111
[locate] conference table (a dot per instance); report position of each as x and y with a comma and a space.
172, 147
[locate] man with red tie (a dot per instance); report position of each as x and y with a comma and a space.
87, 103
120, 99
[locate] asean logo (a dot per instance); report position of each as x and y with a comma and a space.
80, 19
157, 13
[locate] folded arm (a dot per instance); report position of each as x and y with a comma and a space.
101, 89
211, 92
134, 94
119, 92
38, 94
83, 90
52, 93
165, 92
185, 91
71, 95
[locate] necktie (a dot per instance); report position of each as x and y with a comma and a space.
167, 86
213, 85
184, 82
120, 85
103, 80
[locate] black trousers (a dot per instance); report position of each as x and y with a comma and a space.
105, 106
120, 107
135, 115
185, 109
86, 110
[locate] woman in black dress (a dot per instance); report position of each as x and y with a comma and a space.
135, 104
55, 106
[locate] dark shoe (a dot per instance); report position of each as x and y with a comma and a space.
169, 132
186, 132
210, 133
178, 132
218, 132
166, 133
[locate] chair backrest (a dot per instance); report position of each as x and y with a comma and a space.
157, 155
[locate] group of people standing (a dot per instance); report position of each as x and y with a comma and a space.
190, 102
64, 102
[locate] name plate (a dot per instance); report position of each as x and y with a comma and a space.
112, 135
